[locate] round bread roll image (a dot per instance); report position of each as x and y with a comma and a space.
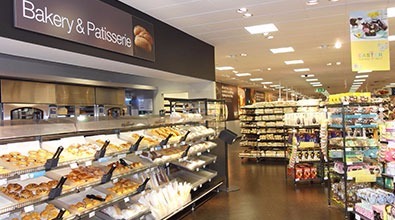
143, 38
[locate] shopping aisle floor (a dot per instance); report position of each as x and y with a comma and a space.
264, 194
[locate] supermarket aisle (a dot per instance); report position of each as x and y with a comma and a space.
264, 195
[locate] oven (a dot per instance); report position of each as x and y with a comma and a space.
110, 102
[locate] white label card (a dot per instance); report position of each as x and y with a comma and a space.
126, 199
29, 208
74, 166
88, 163
121, 156
3, 182
91, 215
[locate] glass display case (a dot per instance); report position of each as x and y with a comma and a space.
214, 111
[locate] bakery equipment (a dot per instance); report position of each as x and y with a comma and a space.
110, 102
27, 100
73, 100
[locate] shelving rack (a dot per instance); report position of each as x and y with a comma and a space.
305, 153
350, 121
263, 131
203, 180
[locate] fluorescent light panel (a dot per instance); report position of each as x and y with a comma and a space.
307, 75
359, 80
274, 85
291, 62
243, 74
282, 50
266, 83
260, 29
357, 83
302, 70
224, 68
391, 38
364, 71
317, 85
361, 76
311, 80
256, 79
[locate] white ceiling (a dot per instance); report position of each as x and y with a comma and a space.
303, 27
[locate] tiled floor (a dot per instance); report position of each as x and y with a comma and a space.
264, 194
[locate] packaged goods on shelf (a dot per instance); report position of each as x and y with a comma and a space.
304, 119
305, 171
354, 142
351, 97
132, 211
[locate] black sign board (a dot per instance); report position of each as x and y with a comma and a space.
89, 22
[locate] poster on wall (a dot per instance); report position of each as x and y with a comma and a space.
230, 95
369, 40
83, 22
259, 96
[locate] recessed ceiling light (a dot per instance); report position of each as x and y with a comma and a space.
307, 75
291, 62
391, 38
266, 83
224, 68
338, 45
361, 76
247, 15
329, 64
243, 54
282, 50
274, 85
315, 83
391, 12
235, 71
233, 78
243, 74
311, 80
260, 29
311, 2
269, 68
256, 79
338, 63
359, 80
302, 70
242, 10
333, 0
270, 37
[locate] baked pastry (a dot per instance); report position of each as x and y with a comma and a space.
82, 175
124, 186
142, 38
14, 187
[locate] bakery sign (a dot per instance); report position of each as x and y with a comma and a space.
89, 22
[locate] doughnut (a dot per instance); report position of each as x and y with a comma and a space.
31, 187
26, 194
14, 187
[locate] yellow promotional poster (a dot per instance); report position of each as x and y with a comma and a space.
369, 41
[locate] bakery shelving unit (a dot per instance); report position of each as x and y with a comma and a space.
350, 137
306, 164
263, 131
115, 163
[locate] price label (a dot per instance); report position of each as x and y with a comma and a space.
348, 149
350, 209
296, 180
92, 214
197, 169
25, 176
152, 149
357, 217
3, 182
88, 188
74, 166
167, 164
115, 180
103, 159
199, 154
208, 150
194, 189
120, 156
29, 208
126, 199
88, 163
349, 163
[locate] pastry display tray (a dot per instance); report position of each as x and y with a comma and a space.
203, 161
196, 179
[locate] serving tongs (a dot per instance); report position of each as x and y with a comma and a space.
184, 138
184, 155
91, 196
165, 141
60, 214
123, 162
107, 177
100, 153
53, 162
57, 191
135, 146
141, 188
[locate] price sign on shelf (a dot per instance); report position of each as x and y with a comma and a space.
126, 199
29, 208
91, 214
88, 163
74, 166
